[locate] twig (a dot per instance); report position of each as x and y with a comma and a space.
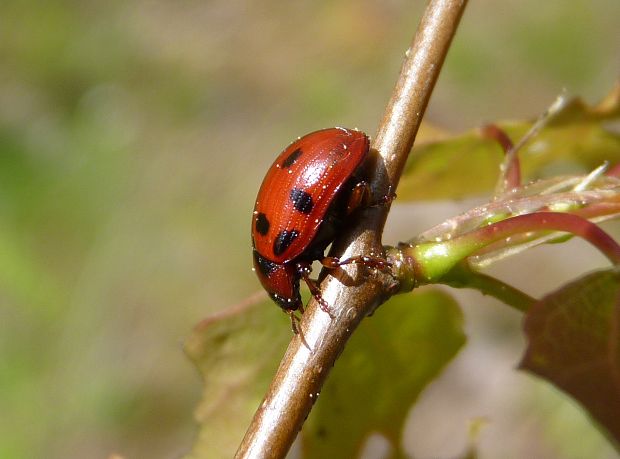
301, 374
462, 276
433, 260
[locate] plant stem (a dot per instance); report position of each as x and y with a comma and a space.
510, 176
434, 259
302, 372
550, 221
462, 276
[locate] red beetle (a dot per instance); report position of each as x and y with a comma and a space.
303, 201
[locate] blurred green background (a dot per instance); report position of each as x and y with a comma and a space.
133, 138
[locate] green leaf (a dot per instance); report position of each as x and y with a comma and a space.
237, 352
575, 140
389, 360
574, 343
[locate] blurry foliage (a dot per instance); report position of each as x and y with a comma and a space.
133, 136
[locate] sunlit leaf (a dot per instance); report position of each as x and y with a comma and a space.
389, 360
576, 140
237, 353
574, 342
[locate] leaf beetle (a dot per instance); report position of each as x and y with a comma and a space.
304, 199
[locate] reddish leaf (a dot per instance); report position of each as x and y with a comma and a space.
574, 342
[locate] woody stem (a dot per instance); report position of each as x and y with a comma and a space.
302, 372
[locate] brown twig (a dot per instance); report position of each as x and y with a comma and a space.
301, 374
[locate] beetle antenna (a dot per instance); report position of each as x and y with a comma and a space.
296, 326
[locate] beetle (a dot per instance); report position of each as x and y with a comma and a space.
303, 201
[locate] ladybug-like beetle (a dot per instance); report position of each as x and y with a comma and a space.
303, 201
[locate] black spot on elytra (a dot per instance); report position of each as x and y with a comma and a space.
302, 200
290, 159
261, 224
283, 241
266, 267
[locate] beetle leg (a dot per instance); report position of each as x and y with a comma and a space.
359, 197
316, 293
304, 270
367, 260
384, 200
